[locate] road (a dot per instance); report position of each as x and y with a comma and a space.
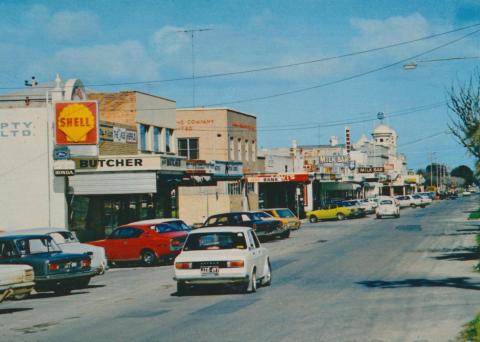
406, 279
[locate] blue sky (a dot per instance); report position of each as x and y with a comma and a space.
123, 41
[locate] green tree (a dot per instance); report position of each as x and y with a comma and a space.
463, 171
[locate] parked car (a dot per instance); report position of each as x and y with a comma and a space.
358, 211
15, 281
369, 206
424, 198
69, 243
223, 255
54, 270
286, 216
147, 241
404, 201
263, 228
466, 193
387, 207
412, 201
328, 212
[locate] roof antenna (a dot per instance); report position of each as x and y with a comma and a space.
33, 83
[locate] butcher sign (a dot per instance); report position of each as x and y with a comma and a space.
76, 123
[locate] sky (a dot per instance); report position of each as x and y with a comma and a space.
105, 42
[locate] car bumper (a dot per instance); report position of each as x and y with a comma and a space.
15, 289
275, 232
213, 280
64, 276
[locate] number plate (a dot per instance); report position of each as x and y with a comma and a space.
209, 270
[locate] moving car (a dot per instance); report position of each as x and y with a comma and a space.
223, 255
358, 211
146, 241
54, 270
425, 199
263, 228
328, 212
387, 207
69, 243
286, 216
412, 201
15, 281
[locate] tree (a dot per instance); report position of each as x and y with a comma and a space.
464, 102
463, 171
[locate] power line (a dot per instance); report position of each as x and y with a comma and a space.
423, 138
269, 68
349, 78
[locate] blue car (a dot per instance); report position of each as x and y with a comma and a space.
54, 270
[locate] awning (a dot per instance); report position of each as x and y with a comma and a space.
113, 183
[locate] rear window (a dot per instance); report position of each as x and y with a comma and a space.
285, 213
215, 241
386, 202
174, 226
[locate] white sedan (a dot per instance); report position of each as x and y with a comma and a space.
387, 207
222, 255
15, 281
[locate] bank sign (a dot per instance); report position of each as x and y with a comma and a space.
76, 123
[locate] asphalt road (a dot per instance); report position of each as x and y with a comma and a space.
406, 279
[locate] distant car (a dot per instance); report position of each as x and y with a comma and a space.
146, 241
223, 255
387, 207
266, 216
54, 270
425, 199
404, 201
369, 206
286, 216
68, 243
466, 193
358, 210
15, 281
263, 228
328, 212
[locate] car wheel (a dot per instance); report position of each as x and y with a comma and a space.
251, 285
379, 216
340, 216
182, 288
148, 257
397, 215
21, 296
62, 291
83, 283
267, 278
286, 234
413, 205
422, 206
313, 219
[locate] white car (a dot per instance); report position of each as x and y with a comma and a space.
16, 281
69, 243
387, 207
222, 255
424, 199
404, 201
466, 193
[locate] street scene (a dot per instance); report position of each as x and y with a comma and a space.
240, 170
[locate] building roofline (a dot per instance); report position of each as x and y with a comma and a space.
216, 108
131, 91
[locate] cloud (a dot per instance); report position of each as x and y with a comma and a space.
168, 40
126, 60
67, 26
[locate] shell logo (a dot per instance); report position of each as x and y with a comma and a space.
76, 123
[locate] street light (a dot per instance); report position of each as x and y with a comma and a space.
413, 64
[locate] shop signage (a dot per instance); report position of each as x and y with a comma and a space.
61, 153
106, 133
369, 169
215, 167
64, 168
119, 135
76, 123
333, 159
130, 163
244, 126
388, 166
131, 137
279, 178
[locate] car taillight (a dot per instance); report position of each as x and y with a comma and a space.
235, 263
176, 243
254, 226
86, 263
53, 267
183, 265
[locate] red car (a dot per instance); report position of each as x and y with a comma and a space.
146, 241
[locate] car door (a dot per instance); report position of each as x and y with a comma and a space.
258, 253
112, 244
131, 243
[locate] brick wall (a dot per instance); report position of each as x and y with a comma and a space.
116, 107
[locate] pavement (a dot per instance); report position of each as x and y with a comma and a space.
406, 279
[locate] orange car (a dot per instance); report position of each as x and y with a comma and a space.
286, 216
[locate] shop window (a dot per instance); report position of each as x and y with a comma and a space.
234, 189
188, 148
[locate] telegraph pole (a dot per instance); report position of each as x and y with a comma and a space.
192, 32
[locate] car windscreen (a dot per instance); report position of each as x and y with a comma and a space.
173, 226
285, 213
37, 245
386, 202
263, 215
62, 237
417, 196
257, 216
215, 241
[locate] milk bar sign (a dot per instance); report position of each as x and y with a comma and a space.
369, 169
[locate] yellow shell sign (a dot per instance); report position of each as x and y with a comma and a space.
76, 123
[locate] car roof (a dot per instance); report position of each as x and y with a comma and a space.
276, 209
153, 221
19, 236
37, 230
221, 229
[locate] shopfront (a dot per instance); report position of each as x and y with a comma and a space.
115, 190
